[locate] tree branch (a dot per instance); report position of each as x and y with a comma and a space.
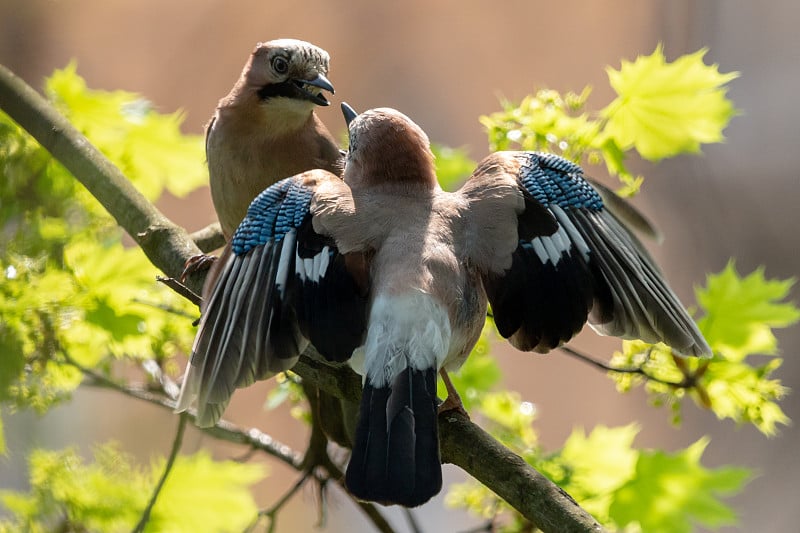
688, 381
169, 246
209, 238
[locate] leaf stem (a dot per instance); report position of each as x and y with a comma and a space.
687, 382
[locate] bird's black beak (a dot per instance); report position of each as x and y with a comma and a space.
318, 81
349, 113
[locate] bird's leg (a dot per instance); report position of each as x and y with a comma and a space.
196, 263
453, 401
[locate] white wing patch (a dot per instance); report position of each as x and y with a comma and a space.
287, 250
574, 235
313, 268
552, 248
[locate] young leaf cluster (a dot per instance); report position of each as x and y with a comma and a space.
661, 110
625, 488
107, 494
73, 296
740, 314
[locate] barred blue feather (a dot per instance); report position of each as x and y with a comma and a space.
273, 213
553, 179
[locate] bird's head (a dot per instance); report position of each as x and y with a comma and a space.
387, 146
289, 74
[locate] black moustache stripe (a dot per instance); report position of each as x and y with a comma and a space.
286, 89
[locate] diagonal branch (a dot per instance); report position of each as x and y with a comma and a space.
168, 246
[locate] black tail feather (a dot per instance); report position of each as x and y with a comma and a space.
396, 453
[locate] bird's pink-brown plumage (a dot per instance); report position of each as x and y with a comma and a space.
415, 266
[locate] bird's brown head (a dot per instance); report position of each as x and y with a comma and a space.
289, 73
387, 147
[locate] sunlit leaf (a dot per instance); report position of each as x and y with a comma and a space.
106, 495
205, 495
147, 146
741, 312
110, 493
544, 121
599, 464
453, 166
664, 109
513, 418
746, 393
671, 492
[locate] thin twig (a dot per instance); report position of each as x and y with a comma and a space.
685, 384
224, 430
180, 288
272, 512
173, 454
171, 309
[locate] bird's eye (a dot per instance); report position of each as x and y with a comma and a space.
280, 65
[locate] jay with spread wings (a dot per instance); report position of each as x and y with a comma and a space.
386, 267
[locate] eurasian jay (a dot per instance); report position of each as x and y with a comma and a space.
266, 129
388, 267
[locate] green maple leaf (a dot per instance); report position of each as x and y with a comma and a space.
599, 463
110, 493
663, 109
741, 312
146, 145
669, 492
201, 494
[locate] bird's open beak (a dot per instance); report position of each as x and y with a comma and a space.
320, 81
349, 113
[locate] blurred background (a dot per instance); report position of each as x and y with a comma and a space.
444, 64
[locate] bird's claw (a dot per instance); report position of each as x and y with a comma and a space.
196, 263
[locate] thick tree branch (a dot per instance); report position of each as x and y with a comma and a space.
209, 238
169, 246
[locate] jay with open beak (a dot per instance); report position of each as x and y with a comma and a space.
387, 267
266, 129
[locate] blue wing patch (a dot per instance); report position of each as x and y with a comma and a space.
553, 179
274, 213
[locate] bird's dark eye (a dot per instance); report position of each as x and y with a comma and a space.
280, 65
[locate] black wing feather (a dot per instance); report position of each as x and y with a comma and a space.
258, 315
591, 267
